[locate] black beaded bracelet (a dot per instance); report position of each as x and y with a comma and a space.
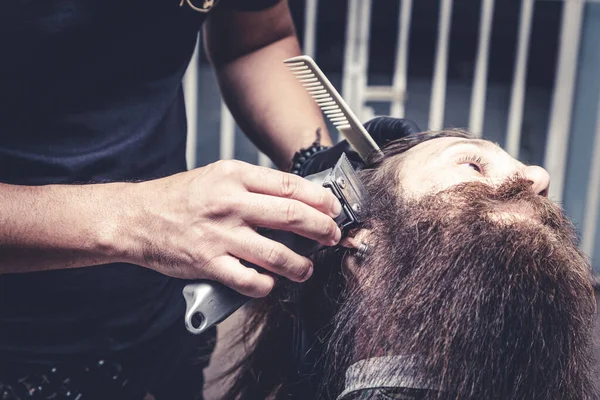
301, 156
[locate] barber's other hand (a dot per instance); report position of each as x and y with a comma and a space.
382, 130
199, 224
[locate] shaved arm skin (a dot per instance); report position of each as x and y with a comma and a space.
173, 225
59, 226
272, 108
176, 226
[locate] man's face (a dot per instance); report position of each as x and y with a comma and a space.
438, 164
492, 305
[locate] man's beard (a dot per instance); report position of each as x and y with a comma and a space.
491, 304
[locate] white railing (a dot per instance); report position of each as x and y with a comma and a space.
562, 100
481, 68
356, 55
356, 91
517, 97
593, 195
438, 90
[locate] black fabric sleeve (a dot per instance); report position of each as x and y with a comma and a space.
250, 5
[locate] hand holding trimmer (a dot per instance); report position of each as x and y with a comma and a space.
209, 302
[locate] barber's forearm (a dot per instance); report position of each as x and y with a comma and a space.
58, 226
272, 108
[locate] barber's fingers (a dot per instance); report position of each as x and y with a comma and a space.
280, 184
229, 271
290, 215
250, 246
246, 244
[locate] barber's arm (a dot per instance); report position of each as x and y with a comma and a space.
247, 49
197, 224
194, 225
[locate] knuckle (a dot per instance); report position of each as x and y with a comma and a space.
226, 203
230, 203
209, 268
216, 209
276, 257
292, 214
288, 185
228, 167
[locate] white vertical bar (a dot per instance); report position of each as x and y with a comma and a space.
562, 100
190, 93
438, 92
350, 53
481, 68
310, 27
363, 57
517, 97
226, 145
593, 195
399, 85
356, 54
363, 26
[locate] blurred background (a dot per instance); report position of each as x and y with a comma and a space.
522, 73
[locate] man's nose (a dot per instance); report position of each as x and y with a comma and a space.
539, 178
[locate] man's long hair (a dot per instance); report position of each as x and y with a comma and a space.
268, 369
476, 329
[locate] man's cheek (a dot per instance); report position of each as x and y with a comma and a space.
431, 184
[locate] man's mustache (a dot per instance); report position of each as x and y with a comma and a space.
511, 201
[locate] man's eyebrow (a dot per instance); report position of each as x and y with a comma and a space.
480, 143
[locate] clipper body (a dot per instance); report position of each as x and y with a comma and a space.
209, 303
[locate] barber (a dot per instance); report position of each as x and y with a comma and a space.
100, 224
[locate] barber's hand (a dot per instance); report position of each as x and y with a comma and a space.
199, 224
382, 129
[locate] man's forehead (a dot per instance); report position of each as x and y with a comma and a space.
434, 158
440, 145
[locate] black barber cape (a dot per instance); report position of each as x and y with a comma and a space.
90, 91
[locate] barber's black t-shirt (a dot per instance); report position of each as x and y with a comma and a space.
90, 91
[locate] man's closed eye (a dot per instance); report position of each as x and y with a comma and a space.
474, 162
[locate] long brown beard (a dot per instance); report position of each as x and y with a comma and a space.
494, 307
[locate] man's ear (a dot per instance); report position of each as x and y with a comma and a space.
355, 242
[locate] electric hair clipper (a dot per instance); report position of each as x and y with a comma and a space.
209, 303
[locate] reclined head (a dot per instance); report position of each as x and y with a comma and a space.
472, 288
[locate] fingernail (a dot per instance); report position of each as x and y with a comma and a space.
337, 208
308, 273
337, 237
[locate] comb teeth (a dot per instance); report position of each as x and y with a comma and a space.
333, 105
319, 93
